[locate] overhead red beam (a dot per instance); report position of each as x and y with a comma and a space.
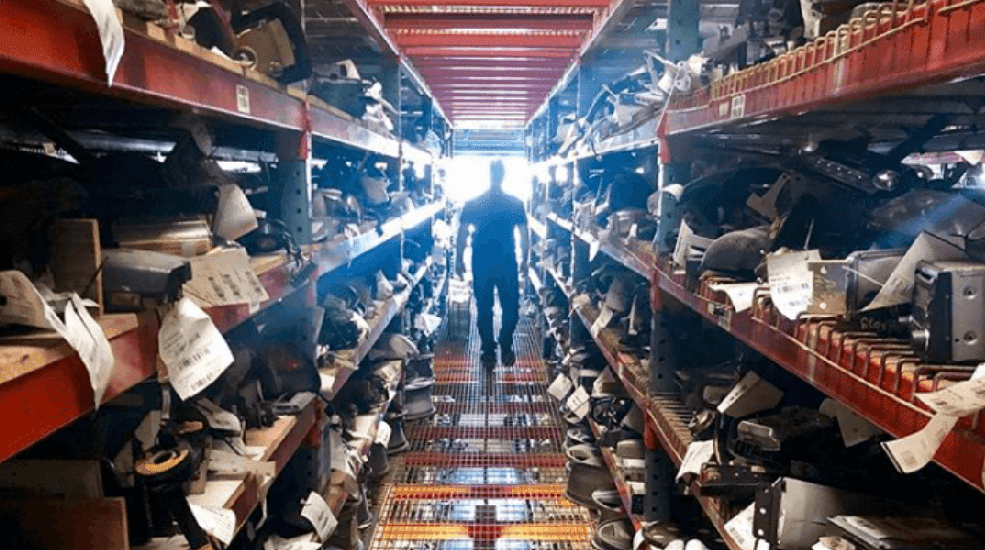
480, 73
482, 21
486, 40
493, 63
597, 4
504, 52
489, 69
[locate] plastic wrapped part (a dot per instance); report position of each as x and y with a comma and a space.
134, 280
178, 236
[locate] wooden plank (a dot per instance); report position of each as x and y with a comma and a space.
77, 255
59, 524
67, 478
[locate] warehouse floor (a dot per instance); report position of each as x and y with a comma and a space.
487, 470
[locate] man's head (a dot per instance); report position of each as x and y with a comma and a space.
496, 173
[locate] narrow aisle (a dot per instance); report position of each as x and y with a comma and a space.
487, 470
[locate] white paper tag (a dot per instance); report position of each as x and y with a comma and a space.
110, 34
605, 378
427, 323
766, 397
791, 281
219, 418
578, 402
959, 399
218, 522
224, 278
193, 350
322, 519
740, 528
741, 294
86, 336
854, 428
602, 321
560, 387
914, 451
303, 542
899, 287
698, 453
383, 433
337, 447
593, 249
25, 306
235, 216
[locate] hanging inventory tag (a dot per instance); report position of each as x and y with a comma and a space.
218, 522
741, 530
791, 281
224, 278
698, 453
914, 451
578, 402
383, 433
740, 294
959, 399
317, 512
110, 33
751, 395
560, 387
192, 349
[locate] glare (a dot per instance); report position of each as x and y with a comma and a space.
468, 177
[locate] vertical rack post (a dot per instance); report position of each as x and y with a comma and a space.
293, 181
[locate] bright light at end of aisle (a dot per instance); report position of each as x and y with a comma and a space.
468, 177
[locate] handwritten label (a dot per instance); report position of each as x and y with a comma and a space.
898, 289
317, 512
110, 34
578, 402
698, 453
224, 278
218, 522
791, 281
914, 451
192, 349
560, 387
230, 463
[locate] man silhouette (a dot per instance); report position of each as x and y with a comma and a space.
494, 215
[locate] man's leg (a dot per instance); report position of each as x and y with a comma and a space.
483, 285
509, 300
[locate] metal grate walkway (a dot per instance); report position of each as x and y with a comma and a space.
487, 471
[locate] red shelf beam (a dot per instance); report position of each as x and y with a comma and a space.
875, 377
40, 402
58, 43
896, 47
454, 21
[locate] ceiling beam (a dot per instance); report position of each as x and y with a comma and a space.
504, 52
456, 21
597, 4
487, 40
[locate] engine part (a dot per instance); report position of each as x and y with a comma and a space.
949, 312
134, 280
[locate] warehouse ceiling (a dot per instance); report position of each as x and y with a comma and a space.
492, 63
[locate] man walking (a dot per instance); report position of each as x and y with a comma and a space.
494, 215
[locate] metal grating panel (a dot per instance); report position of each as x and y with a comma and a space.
487, 470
